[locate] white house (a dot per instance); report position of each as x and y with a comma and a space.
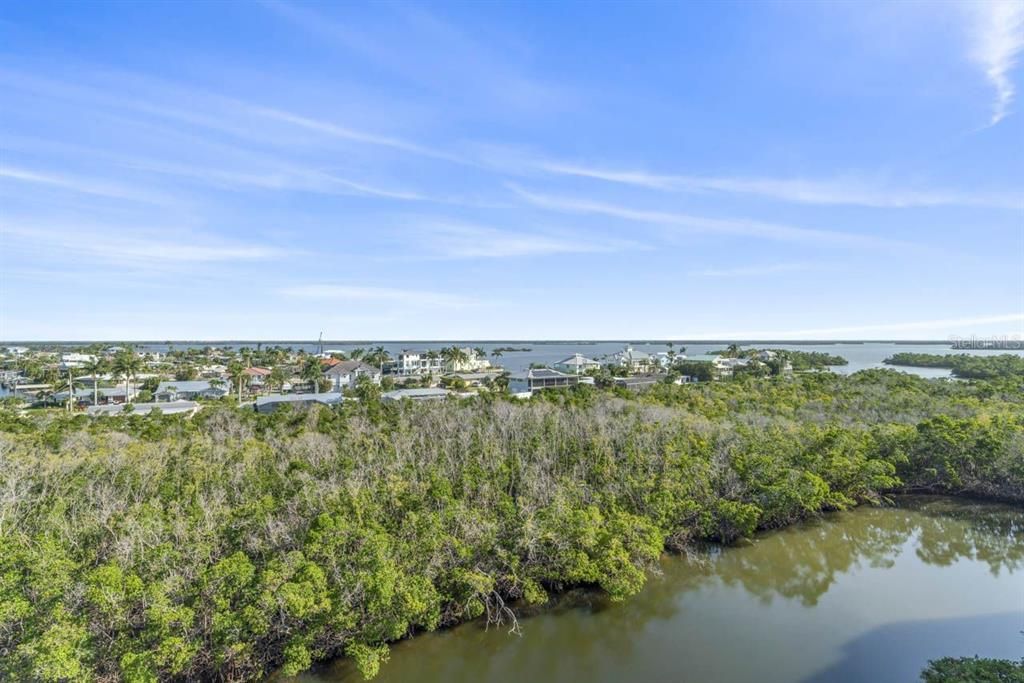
409, 362
344, 374
666, 360
632, 359
473, 362
75, 360
577, 364
726, 366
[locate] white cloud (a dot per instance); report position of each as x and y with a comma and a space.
144, 249
997, 36
75, 184
355, 293
741, 227
344, 133
753, 271
840, 191
454, 240
283, 177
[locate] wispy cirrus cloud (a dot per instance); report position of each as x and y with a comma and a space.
345, 133
372, 295
80, 185
277, 176
840, 191
213, 112
437, 56
759, 270
996, 38
128, 247
701, 224
447, 239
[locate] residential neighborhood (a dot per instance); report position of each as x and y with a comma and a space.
100, 379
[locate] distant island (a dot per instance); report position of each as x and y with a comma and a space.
963, 365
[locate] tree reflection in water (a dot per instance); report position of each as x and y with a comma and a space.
581, 635
803, 561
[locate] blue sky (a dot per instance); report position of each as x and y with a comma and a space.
500, 171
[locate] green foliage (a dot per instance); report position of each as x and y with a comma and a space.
368, 659
973, 670
149, 547
965, 365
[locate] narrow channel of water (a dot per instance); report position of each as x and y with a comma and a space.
867, 595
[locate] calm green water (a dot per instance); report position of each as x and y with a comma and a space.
868, 595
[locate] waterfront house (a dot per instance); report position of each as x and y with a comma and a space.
174, 390
472, 362
541, 378
726, 366
346, 373
666, 360
75, 360
474, 379
632, 360
410, 362
577, 364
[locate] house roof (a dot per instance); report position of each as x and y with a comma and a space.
731, 362
88, 393
326, 398
187, 386
577, 360
257, 372
639, 380
143, 408
399, 394
631, 354
540, 373
329, 362
346, 367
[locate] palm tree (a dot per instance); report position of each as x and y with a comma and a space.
480, 353
732, 351
312, 372
454, 356
276, 378
356, 354
236, 373
95, 367
71, 389
496, 353
127, 364
379, 357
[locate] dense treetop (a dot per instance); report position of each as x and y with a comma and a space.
149, 547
